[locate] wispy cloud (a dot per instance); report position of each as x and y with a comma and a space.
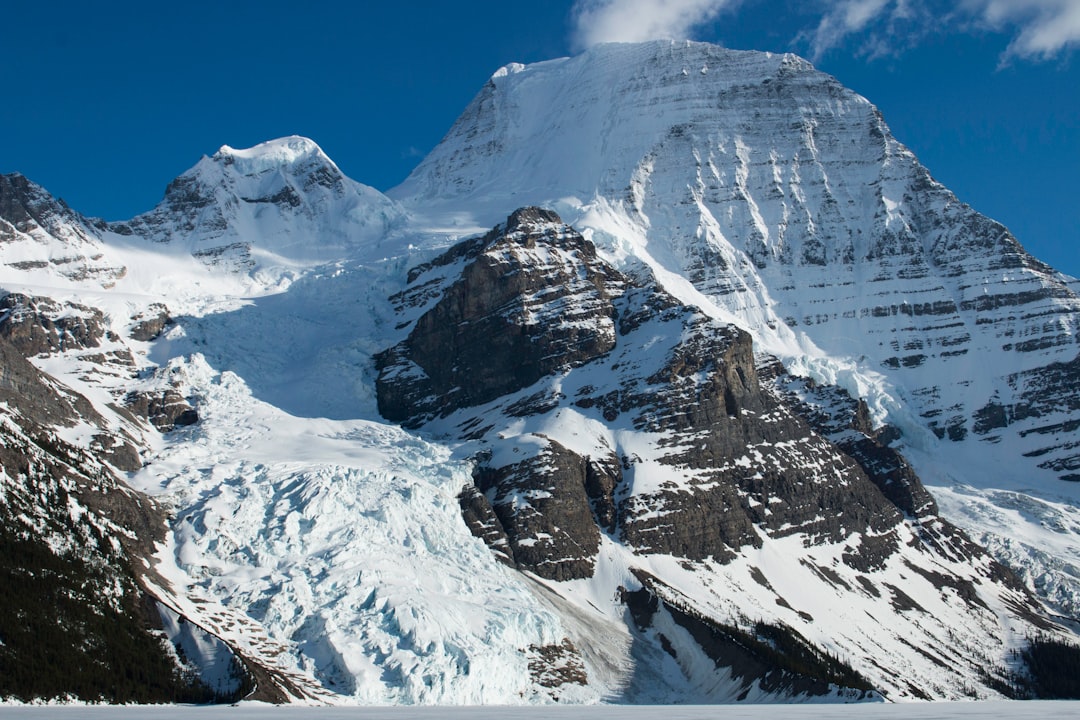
854, 17
1041, 29
599, 21
1045, 28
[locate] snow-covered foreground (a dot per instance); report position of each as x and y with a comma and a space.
912, 711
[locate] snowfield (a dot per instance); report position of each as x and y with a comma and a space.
1036, 710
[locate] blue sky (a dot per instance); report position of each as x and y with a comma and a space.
106, 102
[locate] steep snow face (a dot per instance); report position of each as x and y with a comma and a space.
280, 206
580, 125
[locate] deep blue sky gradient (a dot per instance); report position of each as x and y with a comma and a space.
106, 102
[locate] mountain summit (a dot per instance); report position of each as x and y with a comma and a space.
286, 193
583, 125
668, 376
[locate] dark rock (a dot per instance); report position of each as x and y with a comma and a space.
484, 523
39, 326
28, 391
602, 477
148, 326
709, 390
121, 453
542, 505
832, 412
871, 552
28, 211
511, 318
552, 666
165, 409
1042, 396
27, 206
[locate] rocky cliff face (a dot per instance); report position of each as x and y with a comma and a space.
747, 461
531, 299
73, 537
644, 424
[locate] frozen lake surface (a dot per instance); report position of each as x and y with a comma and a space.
908, 711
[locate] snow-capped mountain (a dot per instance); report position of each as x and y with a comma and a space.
280, 204
628, 393
783, 198
764, 192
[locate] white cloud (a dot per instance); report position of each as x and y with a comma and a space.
599, 21
845, 18
1042, 29
1046, 28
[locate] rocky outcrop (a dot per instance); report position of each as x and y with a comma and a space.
40, 326
833, 413
39, 232
740, 462
542, 505
165, 409
483, 523
1045, 410
26, 207
74, 624
149, 325
40, 400
534, 301
631, 416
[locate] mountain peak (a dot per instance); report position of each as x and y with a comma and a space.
271, 194
584, 125
273, 154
